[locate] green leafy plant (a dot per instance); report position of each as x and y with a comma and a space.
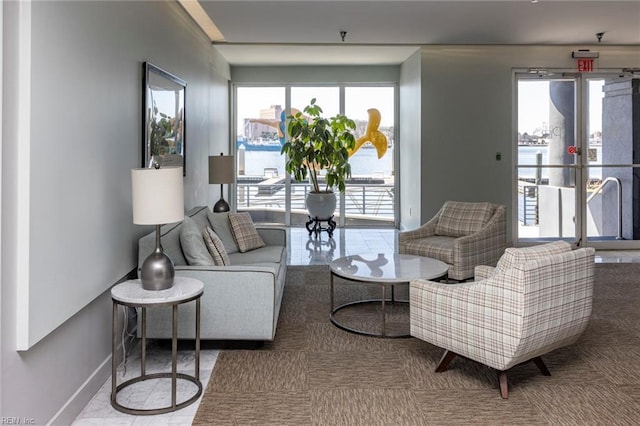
319, 144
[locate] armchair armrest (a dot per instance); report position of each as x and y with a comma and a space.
424, 231
442, 313
482, 272
480, 248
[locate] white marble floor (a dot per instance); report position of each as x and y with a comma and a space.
151, 393
303, 250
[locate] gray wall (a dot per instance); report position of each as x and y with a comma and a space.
83, 99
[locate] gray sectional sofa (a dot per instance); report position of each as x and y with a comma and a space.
241, 301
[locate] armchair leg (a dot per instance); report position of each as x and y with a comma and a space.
445, 361
540, 364
502, 376
504, 386
448, 356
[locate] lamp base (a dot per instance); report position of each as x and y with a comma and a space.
157, 272
221, 206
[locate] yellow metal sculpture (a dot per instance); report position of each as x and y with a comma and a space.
373, 135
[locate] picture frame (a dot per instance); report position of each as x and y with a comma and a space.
164, 118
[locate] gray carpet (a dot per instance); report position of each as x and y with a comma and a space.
316, 374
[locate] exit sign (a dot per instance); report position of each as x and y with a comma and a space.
584, 64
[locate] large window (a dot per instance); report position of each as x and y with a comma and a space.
270, 195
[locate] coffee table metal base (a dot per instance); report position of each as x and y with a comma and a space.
383, 301
365, 332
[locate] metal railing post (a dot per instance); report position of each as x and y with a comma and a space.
619, 189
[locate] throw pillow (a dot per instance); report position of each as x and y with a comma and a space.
245, 232
458, 219
193, 247
513, 256
220, 224
215, 247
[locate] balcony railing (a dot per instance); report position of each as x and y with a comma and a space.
363, 202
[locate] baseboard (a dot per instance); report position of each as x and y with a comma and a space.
81, 398
74, 406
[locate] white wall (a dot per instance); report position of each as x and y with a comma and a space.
467, 116
84, 111
410, 127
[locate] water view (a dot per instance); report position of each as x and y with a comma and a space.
363, 163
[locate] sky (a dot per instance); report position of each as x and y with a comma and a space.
533, 105
358, 100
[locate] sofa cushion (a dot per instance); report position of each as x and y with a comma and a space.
458, 219
220, 224
513, 256
266, 254
245, 232
193, 246
215, 247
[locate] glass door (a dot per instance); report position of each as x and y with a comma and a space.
612, 160
578, 159
547, 172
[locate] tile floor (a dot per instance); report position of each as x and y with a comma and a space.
303, 250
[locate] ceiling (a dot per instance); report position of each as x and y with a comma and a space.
305, 32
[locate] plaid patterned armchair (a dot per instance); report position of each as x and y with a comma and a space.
536, 300
462, 235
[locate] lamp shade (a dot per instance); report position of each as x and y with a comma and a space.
157, 195
221, 169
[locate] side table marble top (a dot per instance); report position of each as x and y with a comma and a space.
131, 292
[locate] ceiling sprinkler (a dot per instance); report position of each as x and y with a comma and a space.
599, 37
343, 34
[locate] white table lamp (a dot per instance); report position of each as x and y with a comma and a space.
158, 198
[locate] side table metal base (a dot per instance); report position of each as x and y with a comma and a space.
170, 408
130, 294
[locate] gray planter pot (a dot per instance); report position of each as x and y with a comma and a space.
321, 205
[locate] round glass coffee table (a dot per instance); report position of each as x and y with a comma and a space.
386, 271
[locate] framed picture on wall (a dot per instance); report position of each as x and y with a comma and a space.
163, 103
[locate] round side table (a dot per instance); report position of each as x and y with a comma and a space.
131, 293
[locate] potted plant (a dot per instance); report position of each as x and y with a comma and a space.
319, 146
